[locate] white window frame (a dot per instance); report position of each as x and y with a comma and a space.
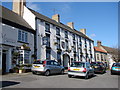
22, 36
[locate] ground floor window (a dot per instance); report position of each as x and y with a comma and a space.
24, 57
75, 57
48, 53
59, 57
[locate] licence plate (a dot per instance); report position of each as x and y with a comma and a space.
117, 68
36, 66
95, 66
76, 69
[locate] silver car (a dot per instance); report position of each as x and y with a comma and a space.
47, 67
80, 69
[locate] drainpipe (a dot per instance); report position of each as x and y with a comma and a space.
35, 39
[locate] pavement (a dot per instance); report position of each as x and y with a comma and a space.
28, 80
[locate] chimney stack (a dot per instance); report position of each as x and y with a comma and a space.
56, 17
83, 31
70, 24
99, 43
18, 6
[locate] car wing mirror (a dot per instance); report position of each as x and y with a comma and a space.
91, 68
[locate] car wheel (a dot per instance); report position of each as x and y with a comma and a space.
93, 74
69, 76
86, 77
111, 73
34, 72
62, 72
47, 73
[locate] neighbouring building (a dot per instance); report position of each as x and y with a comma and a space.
16, 40
100, 55
54, 40
110, 54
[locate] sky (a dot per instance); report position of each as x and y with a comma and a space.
99, 18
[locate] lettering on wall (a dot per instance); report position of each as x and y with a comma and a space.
7, 40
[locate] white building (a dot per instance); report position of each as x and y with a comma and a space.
15, 36
63, 42
46, 38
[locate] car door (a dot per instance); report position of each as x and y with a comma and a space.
57, 67
89, 69
51, 66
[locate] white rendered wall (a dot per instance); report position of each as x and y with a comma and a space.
29, 17
10, 38
41, 48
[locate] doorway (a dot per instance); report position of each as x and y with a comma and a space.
66, 60
3, 62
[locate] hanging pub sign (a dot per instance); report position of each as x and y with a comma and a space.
63, 44
44, 40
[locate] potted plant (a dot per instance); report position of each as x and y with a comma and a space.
24, 46
16, 69
21, 69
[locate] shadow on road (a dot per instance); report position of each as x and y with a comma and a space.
80, 77
58, 74
8, 83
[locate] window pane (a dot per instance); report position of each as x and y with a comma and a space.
66, 34
19, 35
47, 27
48, 54
58, 41
23, 36
57, 31
26, 37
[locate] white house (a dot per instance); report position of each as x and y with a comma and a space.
16, 35
54, 40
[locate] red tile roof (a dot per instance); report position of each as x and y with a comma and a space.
99, 50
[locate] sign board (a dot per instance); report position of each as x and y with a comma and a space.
44, 40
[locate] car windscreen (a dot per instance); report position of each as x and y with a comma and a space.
38, 62
116, 65
78, 64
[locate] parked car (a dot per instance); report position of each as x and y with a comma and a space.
99, 67
115, 69
80, 69
47, 67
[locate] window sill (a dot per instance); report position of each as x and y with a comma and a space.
22, 42
48, 32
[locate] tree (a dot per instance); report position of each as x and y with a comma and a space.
115, 54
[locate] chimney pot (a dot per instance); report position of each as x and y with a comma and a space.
70, 24
99, 43
83, 31
56, 17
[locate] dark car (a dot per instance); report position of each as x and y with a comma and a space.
99, 67
115, 69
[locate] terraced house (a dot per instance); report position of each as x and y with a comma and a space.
32, 34
54, 40
16, 40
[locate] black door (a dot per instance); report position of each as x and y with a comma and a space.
3, 63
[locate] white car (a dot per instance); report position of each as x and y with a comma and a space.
80, 69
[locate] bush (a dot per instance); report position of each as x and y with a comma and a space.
16, 69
